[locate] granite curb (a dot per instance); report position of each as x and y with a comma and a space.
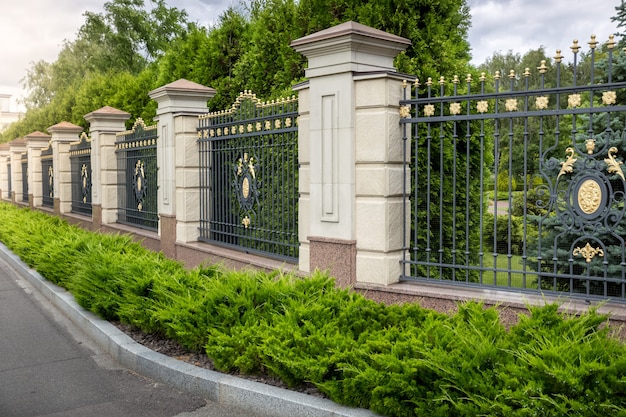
264, 400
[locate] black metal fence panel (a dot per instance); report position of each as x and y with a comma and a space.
137, 165
521, 188
47, 177
249, 177
24, 162
80, 161
9, 175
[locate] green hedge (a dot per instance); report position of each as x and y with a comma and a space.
396, 360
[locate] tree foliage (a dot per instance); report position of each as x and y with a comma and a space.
138, 46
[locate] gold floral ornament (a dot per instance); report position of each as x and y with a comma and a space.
404, 112
482, 106
429, 110
288, 122
511, 104
241, 130
613, 164
258, 126
574, 100
249, 127
609, 97
246, 222
588, 252
212, 133
567, 167
277, 123
455, 108
541, 102
268, 125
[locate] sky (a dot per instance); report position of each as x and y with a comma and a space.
33, 30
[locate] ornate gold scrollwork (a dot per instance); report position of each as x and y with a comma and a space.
613, 164
588, 252
567, 167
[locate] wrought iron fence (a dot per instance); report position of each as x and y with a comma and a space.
520, 186
137, 163
47, 177
9, 175
249, 176
80, 161
24, 162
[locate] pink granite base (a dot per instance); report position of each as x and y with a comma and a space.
337, 256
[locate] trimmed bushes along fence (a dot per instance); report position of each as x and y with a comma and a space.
396, 360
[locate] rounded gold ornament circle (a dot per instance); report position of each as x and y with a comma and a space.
589, 196
245, 187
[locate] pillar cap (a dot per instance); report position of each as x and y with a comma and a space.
64, 127
109, 113
349, 47
350, 28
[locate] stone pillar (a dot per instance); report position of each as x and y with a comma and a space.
35, 142
4, 175
351, 153
179, 105
105, 123
63, 134
16, 148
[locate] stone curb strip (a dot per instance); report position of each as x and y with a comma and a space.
262, 399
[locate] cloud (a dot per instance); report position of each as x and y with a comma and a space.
521, 25
34, 30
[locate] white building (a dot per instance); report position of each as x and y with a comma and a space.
6, 115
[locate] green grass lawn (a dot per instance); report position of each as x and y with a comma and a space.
503, 278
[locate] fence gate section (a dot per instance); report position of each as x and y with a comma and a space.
47, 177
137, 163
517, 180
249, 176
80, 161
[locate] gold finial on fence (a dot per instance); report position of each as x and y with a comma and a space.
416, 83
527, 72
558, 57
483, 77
593, 42
429, 82
512, 74
404, 83
611, 43
575, 47
469, 78
442, 80
497, 76
455, 80
542, 68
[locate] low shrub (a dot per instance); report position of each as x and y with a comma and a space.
396, 360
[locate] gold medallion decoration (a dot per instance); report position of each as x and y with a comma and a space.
589, 196
246, 187
588, 252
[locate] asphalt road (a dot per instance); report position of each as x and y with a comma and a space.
50, 368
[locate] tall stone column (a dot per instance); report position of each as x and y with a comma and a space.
179, 105
105, 123
4, 175
16, 148
351, 153
63, 134
35, 142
